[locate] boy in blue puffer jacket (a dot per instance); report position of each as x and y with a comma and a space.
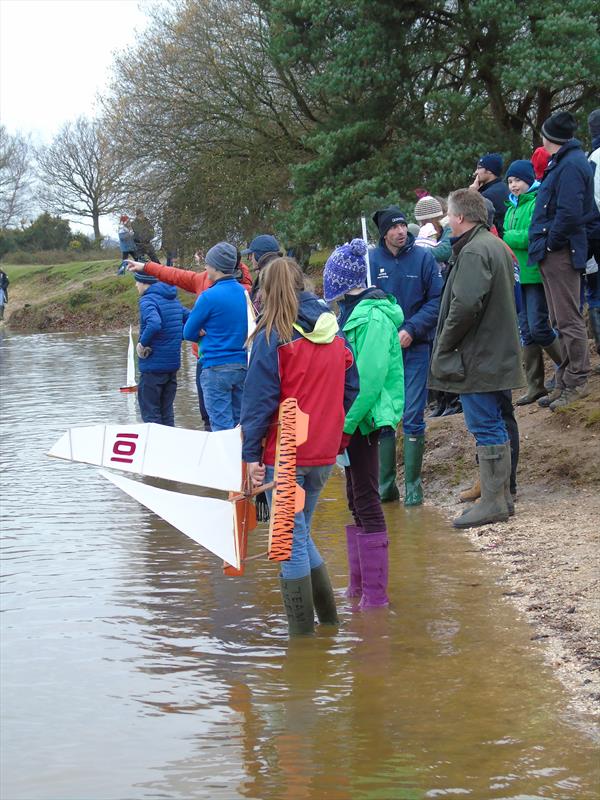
159, 347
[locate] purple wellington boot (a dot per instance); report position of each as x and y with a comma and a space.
355, 583
373, 553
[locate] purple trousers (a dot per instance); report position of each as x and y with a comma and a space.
362, 482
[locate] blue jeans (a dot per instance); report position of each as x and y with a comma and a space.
201, 403
534, 320
222, 387
416, 368
305, 555
156, 394
483, 417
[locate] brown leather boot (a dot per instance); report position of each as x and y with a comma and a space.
472, 494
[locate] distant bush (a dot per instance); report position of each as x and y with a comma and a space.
51, 257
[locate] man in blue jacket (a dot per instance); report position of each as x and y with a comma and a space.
412, 276
159, 348
558, 243
488, 182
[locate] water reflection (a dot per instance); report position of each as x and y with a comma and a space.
133, 668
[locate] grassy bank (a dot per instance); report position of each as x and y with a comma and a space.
78, 296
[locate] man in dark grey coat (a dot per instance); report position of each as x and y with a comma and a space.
477, 350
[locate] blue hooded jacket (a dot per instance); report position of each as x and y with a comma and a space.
413, 278
161, 328
564, 206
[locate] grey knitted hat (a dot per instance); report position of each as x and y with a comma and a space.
428, 208
222, 256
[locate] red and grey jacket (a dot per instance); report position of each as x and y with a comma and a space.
317, 368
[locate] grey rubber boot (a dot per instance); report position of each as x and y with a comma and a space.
494, 471
507, 495
298, 604
554, 351
388, 490
534, 371
323, 599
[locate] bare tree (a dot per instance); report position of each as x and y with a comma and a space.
15, 176
80, 174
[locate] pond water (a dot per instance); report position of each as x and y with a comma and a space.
132, 668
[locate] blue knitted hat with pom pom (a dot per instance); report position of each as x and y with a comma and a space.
346, 269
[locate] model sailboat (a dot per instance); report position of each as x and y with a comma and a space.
131, 385
210, 460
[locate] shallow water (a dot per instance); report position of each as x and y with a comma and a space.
132, 668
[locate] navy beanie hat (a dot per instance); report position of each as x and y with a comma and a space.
594, 123
224, 257
142, 277
560, 127
345, 269
492, 162
521, 169
386, 218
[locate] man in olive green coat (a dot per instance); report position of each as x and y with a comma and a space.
476, 352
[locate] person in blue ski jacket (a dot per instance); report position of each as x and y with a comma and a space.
412, 276
159, 348
219, 320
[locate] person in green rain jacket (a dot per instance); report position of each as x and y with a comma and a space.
534, 325
370, 320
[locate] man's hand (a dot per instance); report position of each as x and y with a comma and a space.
405, 339
143, 352
476, 184
256, 473
135, 266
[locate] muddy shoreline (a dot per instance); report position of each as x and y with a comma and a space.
547, 555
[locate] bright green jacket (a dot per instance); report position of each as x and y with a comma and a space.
372, 332
516, 233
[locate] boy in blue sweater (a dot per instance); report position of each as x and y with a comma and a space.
159, 348
220, 317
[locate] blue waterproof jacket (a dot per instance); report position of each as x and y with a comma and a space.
413, 278
497, 192
564, 206
161, 328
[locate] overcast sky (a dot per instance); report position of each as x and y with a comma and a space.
55, 58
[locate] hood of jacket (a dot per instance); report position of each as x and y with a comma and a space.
363, 310
161, 290
315, 321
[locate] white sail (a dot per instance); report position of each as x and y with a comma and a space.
130, 362
207, 521
206, 459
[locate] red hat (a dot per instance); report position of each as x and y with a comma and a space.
540, 159
123, 218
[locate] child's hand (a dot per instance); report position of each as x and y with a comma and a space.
143, 352
135, 266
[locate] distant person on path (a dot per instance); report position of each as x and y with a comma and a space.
298, 351
558, 242
158, 348
488, 182
143, 233
536, 334
370, 319
412, 276
4, 281
263, 249
196, 283
220, 319
477, 351
126, 239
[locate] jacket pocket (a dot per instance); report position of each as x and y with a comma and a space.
448, 366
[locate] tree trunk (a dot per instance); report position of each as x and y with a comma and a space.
96, 222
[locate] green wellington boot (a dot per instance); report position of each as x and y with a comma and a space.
298, 602
323, 599
388, 490
534, 371
413, 460
494, 469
